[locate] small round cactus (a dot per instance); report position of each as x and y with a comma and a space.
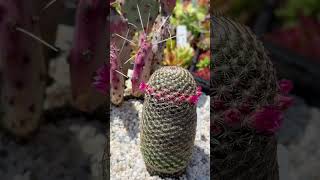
246, 105
169, 120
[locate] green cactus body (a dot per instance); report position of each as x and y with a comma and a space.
168, 125
149, 10
243, 82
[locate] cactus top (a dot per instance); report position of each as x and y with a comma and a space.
172, 84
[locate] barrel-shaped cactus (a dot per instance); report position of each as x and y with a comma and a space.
168, 121
245, 106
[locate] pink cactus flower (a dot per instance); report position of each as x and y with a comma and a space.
285, 86
143, 86
268, 119
232, 116
284, 102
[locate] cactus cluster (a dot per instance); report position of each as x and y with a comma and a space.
167, 136
146, 20
246, 104
24, 32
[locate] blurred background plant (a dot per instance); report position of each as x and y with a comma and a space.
195, 56
177, 56
191, 15
291, 10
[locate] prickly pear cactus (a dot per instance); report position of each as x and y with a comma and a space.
142, 65
116, 79
245, 107
169, 119
23, 74
88, 53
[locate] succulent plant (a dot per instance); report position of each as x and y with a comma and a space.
167, 136
191, 15
246, 104
178, 56
23, 68
88, 53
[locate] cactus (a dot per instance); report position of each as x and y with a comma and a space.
142, 65
147, 50
116, 80
120, 26
88, 53
167, 136
148, 11
23, 74
245, 106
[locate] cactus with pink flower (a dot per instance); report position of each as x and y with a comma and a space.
144, 20
247, 104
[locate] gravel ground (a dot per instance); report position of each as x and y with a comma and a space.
67, 150
126, 159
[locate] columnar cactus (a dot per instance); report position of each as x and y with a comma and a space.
169, 118
88, 53
246, 105
23, 67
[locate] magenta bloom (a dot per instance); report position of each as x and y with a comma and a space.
232, 116
101, 80
268, 119
285, 86
284, 102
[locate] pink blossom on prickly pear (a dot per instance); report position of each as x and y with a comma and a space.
232, 116
268, 119
285, 86
284, 102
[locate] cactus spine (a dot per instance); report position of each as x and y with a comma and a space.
23, 63
167, 136
88, 52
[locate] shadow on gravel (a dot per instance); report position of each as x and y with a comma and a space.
129, 117
55, 152
200, 163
